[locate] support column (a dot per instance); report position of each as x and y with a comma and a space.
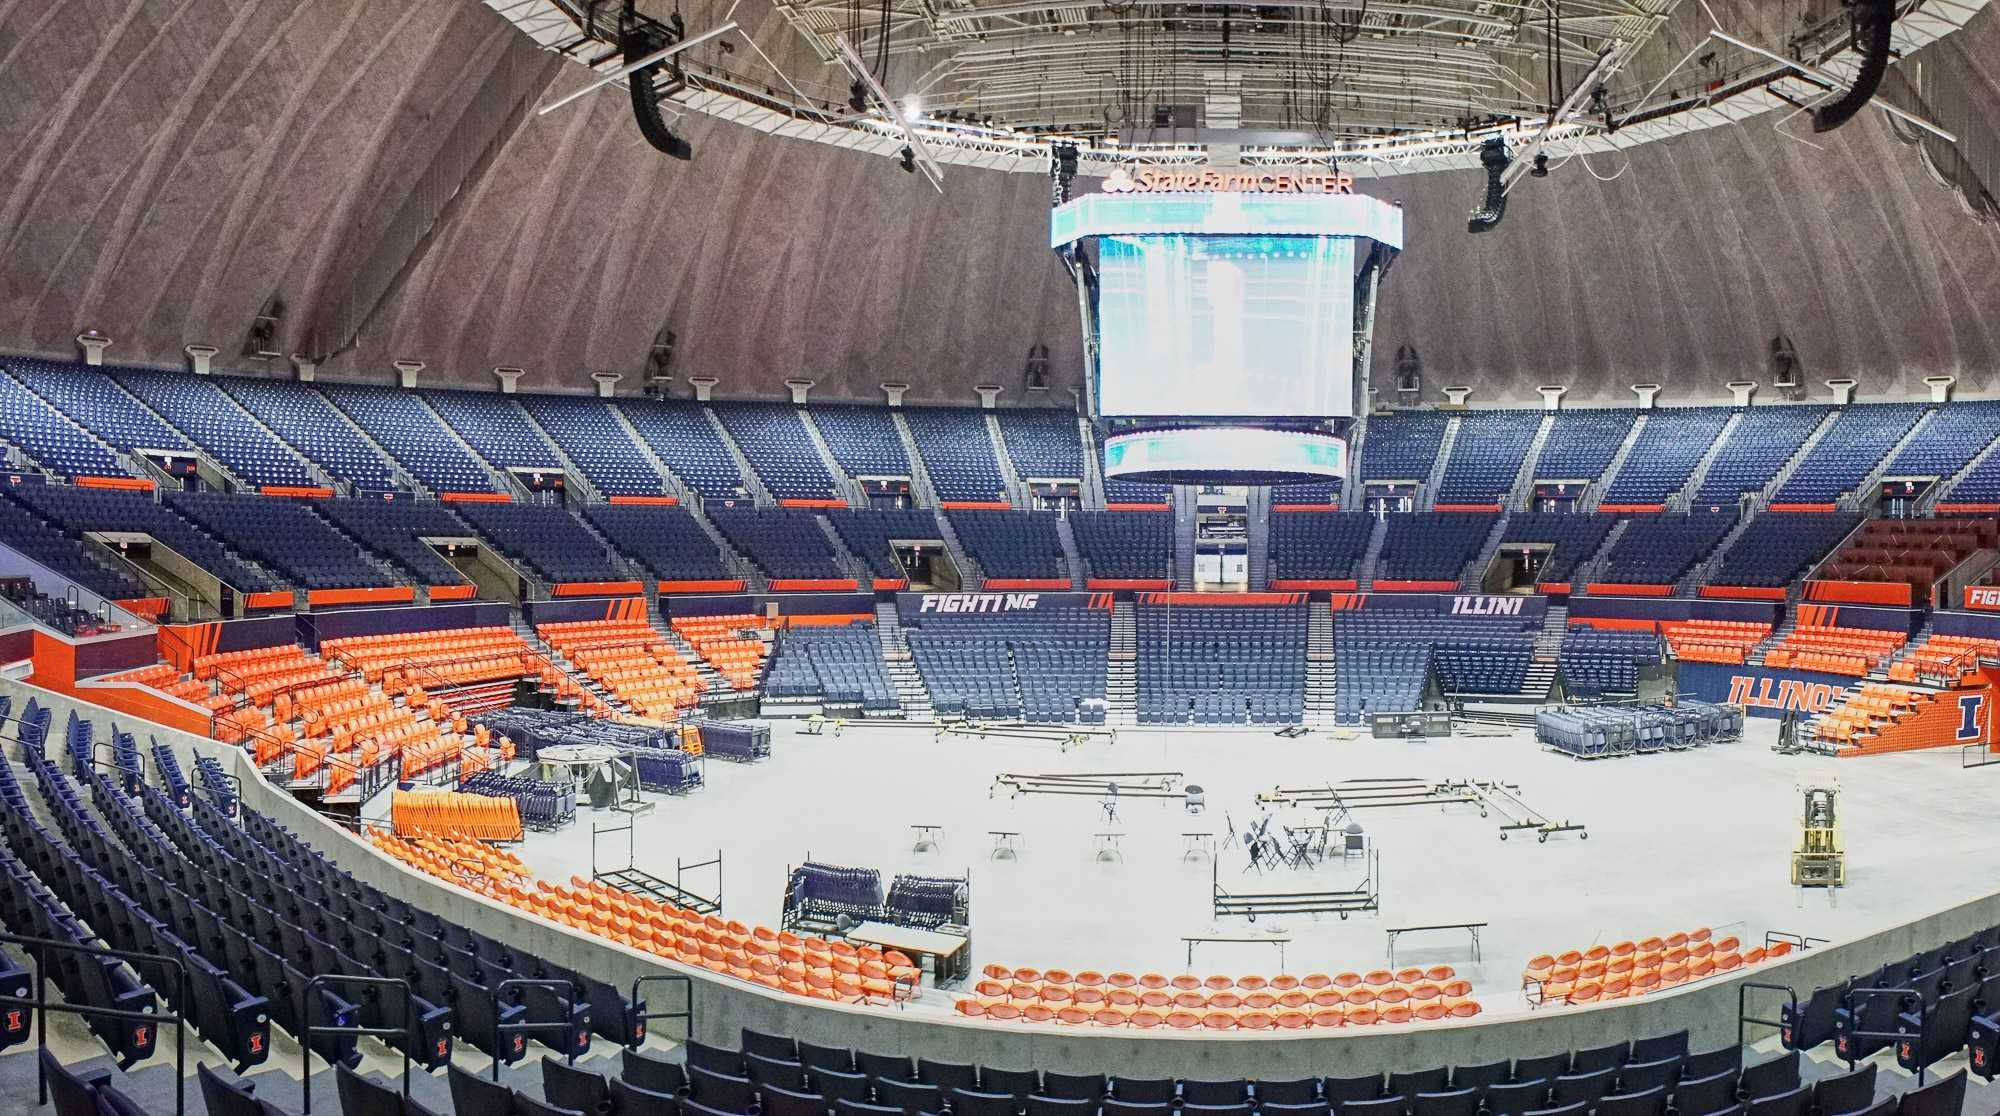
799, 388
895, 393
1742, 391
704, 386
607, 383
1843, 391
1649, 395
1552, 396
198, 358
1940, 387
406, 372
1456, 396
94, 344
304, 369
989, 395
508, 378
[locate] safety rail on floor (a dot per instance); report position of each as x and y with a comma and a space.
38, 946
686, 1014
1893, 1037
501, 1031
311, 1029
1744, 1018
1987, 757
1796, 941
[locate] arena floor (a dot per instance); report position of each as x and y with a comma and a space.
1675, 841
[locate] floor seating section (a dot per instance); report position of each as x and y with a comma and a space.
1402, 445
1436, 547
631, 662
65, 554
1596, 663
596, 442
667, 541
1318, 546
1665, 454
52, 440
1764, 439
400, 422
1378, 674
495, 428
312, 426
77, 510
1048, 666
1950, 992
1834, 650
1714, 641
1916, 552
1573, 539
1486, 458
206, 414
726, 644
1472, 654
397, 529
1125, 544
1943, 659
837, 666
868, 535
1221, 665
1662, 549
286, 536
957, 450
94, 401
1581, 444
1043, 443
1952, 438
550, 540
774, 439
1012, 544
1187, 1002
1869, 715
681, 435
864, 440
1778, 548
1859, 439
1627, 968
783, 542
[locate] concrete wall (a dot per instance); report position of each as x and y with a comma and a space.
723, 1006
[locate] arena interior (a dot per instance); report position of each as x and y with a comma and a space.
890, 558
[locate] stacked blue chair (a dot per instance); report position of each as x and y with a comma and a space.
76, 510
1572, 538
543, 805
1851, 449
1661, 549
1595, 662
311, 425
1487, 456
1125, 544
681, 435
783, 542
54, 442
666, 540
1665, 454
1955, 434
927, 902
1582, 443
1435, 546
95, 402
819, 895
869, 535
774, 440
1595, 732
64, 554
495, 429
834, 665
1764, 439
397, 528
957, 449
285, 536
600, 446
404, 426
864, 440
1221, 665
1777, 548
1012, 544
1043, 444
1318, 546
206, 414
1402, 445
552, 541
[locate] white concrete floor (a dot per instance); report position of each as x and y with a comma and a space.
1675, 841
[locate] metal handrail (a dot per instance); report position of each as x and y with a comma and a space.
643, 1016
1743, 1015
1923, 1022
42, 1006
309, 1030
502, 1030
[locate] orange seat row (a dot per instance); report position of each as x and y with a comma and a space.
1946, 657
1636, 968
1179, 1019
476, 816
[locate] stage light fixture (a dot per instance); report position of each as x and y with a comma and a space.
640, 39
1872, 22
907, 159
1493, 155
1541, 165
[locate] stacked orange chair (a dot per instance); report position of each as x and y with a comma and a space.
1220, 1003
1714, 641
1627, 969
474, 816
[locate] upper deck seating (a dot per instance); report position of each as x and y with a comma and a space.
1043, 444
1665, 454
400, 423
774, 440
596, 442
77, 510
285, 536
1316, 546
1582, 443
666, 540
206, 413
42, 432
1012, 544
1764, 439
783, 542
495, 429
1851, 449
1125, 544
312, 426
1402, 445
398, 528
1486, 458
547, 537
95, 402
1955, 434
682, 436
864, 440
957, 449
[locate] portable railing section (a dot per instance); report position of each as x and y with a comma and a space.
40, 947
501, 1031
310, 1029
645, 1018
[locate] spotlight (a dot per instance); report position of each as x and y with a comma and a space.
1494, 158
907, 160
1541, 165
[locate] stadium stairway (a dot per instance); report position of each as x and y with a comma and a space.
850, 491
1804, 451
208, 460
970, 575
910, 691
718, 686
1880, 671
574, 477
1548, 651
1017, 489
1364, 573
1121, 679
1320, 666
1586, 570
1093, 466
850, 564
1862, 497
1072, 558
1524, 481
1184, 536
1475, 572
499, 479
1594, 495
1427, 499
921, 489
1684, 499
673, 484
403, 476
1257, 541
759, 494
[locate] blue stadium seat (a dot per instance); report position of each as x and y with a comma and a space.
421, 444
76, 510
783, 542
864, 440
666, 540
1315, 546
868, 534
1221, 665
1043, 443
1665, 454
54, 442
1852, 447
1012, 544
1432, 546
1572, 538
1661, 549
205, 413
398, 528
1487, 456
1402, 445
682, 436
591, 435
1764, 439
840, 666
1581, 444
774, 440
1125, 544
495, 429
546, 537
287, 537
958, 452
311, 425
1040, 666
1779, 547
